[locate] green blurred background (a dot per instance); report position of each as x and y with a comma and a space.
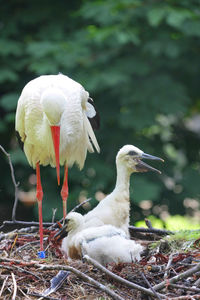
140, 62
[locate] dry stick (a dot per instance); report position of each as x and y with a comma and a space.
118, 278
189, 297
39, 295
80, 204
74, 209
197, 283
67, 268
149, 285
32, 223
14, 182
193, 289
148, 223
152, 230
3, 285
177, 277
54, 210
17, 231
24, 246
168, 265
15, 287
25, 295
19, 270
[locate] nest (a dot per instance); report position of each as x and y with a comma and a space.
164, 272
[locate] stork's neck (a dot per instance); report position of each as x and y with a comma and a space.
123, 180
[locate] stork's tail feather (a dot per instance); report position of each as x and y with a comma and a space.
91, 135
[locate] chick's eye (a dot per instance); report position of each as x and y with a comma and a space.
132, 153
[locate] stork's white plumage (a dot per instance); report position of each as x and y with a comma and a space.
106, 244
52, 122
114, 208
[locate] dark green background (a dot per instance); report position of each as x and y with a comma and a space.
140, 61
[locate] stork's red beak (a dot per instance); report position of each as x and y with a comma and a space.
55, 131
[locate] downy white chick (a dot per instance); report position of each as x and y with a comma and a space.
106, 244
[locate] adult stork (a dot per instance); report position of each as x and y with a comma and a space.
53, 121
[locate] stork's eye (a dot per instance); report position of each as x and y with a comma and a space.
132, 153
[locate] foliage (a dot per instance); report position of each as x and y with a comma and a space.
173, 223
139, 61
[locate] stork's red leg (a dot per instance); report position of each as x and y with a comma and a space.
39, 195
64, 192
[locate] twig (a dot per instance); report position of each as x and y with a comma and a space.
149, 285
19, 270
15, 287
32, 223
168, 265
189, 297
39, 295
24, 246
118, 278
17, 231
80, 204
197, 283
67, 268
3, 285
26, 296
152, 230
14, 182
193, 289
54, 225
54, 210
148, 223
177, 277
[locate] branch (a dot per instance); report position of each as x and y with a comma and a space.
177, 286
32, 223
15, 287
168, 266
3, 285
80, 204
150, 230
149, 285
14, 232
19, 269
118, 278
177, 277
67, 268
14, 182
189, 297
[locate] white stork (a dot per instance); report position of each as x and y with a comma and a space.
114, 208
106, 243
52, 123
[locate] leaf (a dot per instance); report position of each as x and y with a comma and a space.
176, 17
156, 15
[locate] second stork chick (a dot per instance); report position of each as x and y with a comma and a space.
114, 208
106, 244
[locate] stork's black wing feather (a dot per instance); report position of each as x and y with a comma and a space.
21, 144
95, 121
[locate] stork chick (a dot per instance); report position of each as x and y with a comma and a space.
52, 123
114, 208
106, 244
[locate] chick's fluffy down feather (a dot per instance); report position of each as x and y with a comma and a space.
106, 244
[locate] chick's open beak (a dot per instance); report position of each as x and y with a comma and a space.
61, 233
143, 167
